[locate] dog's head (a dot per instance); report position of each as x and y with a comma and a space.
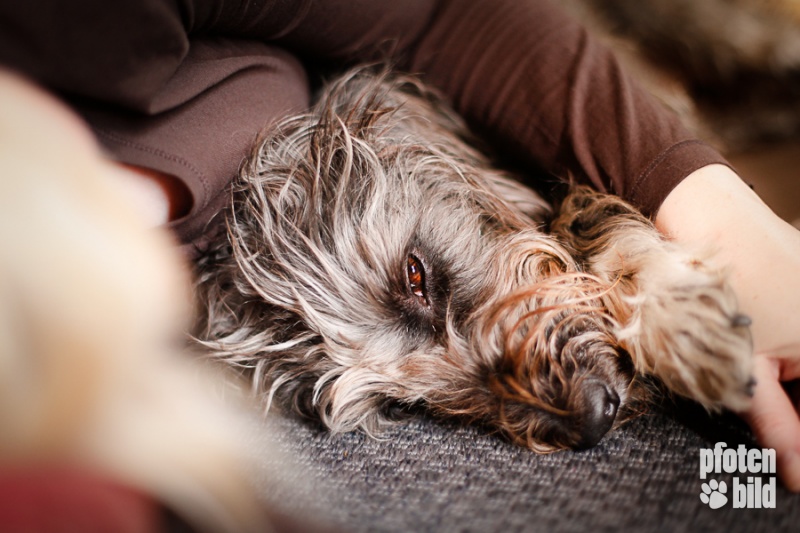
374, 258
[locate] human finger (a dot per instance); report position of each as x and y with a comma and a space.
775, 422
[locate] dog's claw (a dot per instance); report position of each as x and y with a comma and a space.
750, 387
741, 321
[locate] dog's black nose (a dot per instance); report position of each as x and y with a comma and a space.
600, 411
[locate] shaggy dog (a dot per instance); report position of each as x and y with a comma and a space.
374, 259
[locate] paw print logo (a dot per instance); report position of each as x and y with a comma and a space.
713, 494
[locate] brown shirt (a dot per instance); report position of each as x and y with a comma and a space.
185, 86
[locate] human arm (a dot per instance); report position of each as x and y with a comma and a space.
712, 206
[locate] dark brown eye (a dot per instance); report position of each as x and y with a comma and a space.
415, 274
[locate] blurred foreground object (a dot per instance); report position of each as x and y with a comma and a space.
92, 308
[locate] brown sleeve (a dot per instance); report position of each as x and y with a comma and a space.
541, 87
204, 122
156, 94
183, 86
523, 72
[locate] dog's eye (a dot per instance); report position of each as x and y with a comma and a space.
415, 274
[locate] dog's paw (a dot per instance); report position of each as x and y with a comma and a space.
688, 332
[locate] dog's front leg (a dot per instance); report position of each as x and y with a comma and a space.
674, 312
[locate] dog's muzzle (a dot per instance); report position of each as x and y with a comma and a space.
560, 375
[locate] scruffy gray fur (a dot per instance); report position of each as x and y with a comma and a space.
374, 259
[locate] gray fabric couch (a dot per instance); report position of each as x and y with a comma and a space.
426, 475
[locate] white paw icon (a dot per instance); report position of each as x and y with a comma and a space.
713, 494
